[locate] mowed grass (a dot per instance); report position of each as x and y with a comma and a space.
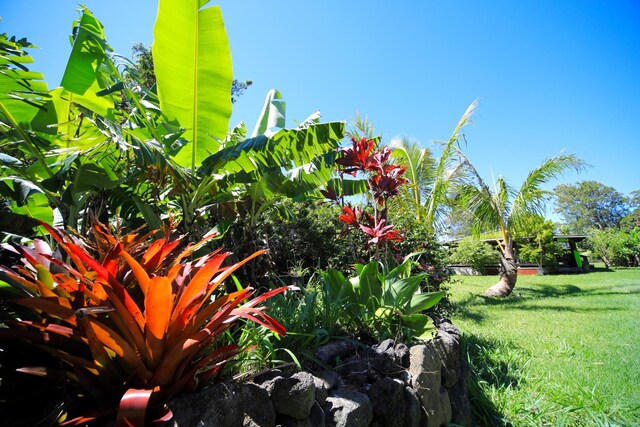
563, 350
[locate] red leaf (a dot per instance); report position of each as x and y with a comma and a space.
133, 408
349, 217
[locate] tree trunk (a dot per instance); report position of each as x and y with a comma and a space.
508, 275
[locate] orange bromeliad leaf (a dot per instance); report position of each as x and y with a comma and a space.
133, 407
116, 343
197, 288
58, 308
226, 273
138, 271
158, 307
110, 336
157, 253
193, 247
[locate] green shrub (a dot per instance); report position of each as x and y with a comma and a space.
474, 253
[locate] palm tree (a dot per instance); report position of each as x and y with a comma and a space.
504, 210
431, 179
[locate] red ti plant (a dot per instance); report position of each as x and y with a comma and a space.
131, 327
383, 180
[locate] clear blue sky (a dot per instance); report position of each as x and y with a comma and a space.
549, 75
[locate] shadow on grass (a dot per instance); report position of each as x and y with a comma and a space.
493, 365
465, 308
524, 298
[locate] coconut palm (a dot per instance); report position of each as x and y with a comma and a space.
504, 210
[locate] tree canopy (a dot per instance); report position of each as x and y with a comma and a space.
590, 204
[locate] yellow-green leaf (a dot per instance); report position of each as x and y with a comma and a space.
193, 69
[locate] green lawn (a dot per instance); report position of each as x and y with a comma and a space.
562, 350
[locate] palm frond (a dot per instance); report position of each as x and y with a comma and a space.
420, 170
531, 198
448, 170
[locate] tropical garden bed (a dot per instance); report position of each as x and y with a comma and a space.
142, 236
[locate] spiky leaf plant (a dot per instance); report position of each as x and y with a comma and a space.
132, 326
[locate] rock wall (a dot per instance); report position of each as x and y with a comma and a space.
386, 385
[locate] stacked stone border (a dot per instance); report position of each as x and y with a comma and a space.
388, 384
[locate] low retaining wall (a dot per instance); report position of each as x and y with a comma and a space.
388, 385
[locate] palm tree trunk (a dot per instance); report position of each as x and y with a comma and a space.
508, 275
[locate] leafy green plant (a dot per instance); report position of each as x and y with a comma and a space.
130, 327
105, 145
384, 301
615, 247
474, 253
535, 242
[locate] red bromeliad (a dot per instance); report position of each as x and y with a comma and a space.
133, 326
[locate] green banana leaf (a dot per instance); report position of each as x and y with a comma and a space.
288, 148
21, 91
273, 115
34, 205
86, 76
193, 69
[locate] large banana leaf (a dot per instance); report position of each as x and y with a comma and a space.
273, 115
288, 148
84, 76
193, 72
21, 90
23, 95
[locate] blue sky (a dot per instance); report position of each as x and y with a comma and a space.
549, 75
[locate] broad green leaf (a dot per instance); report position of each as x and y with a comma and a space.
85, 83
368, 287
194, 74
21, 225
150, 217
348, 187
89, 51
36, 206
424, 301
421, 325
91, 176
22, 92
273, 115
400, 292
288, 148
7, 160
18, 189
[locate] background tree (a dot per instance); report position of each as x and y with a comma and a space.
632, 220
458, 222
431, 178
615, 247
590, 204
536, 243
503, 209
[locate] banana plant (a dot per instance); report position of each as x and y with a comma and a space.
147, 156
